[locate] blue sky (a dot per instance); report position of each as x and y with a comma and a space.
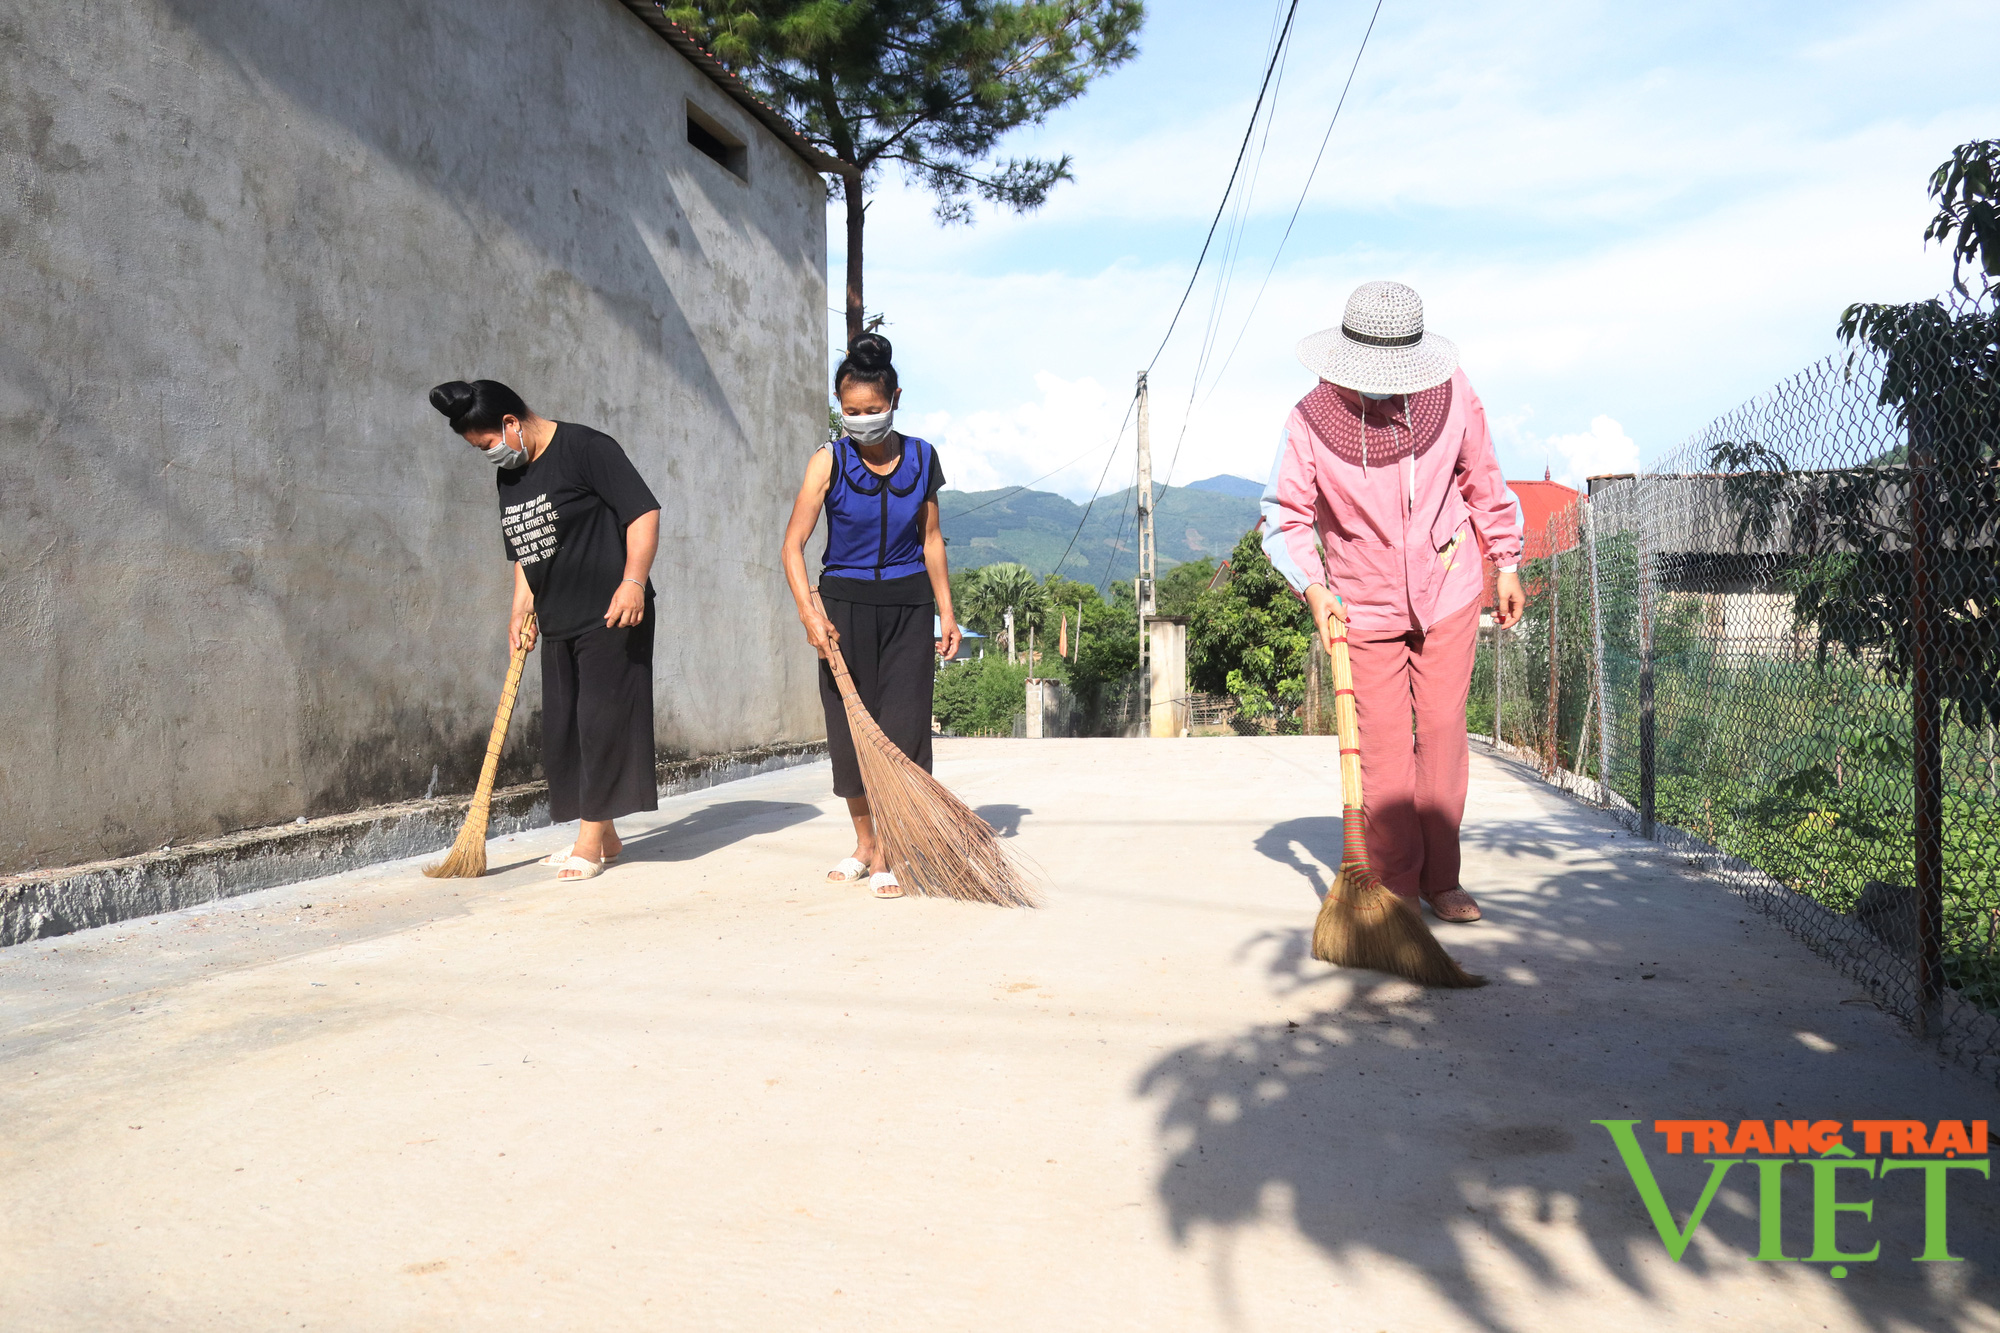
1630, 218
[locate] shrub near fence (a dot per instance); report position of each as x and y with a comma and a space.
1776, 652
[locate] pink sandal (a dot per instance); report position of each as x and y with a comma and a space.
1454, 905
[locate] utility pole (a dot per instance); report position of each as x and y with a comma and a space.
1142, 586
1010, 636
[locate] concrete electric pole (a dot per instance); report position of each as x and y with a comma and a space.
1144, 586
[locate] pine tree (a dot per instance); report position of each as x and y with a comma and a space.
931, 87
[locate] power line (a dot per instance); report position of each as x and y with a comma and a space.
1222, 206
1119, 536
1303, 191
961, 513
1097, 488
1255, 301
1232, 247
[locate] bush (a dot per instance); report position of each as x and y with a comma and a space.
980, 697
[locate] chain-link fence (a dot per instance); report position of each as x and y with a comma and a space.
1778, 652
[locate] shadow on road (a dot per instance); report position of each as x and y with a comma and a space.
1448, 1135
715, 826
1319, 836
1005, 820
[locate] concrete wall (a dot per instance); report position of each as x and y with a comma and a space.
246, 573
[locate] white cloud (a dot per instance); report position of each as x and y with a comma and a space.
1066, 431
1571, 459
1632, 219
1605, 447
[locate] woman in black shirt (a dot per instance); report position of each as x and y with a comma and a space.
581, 527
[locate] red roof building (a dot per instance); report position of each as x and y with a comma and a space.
1541, 501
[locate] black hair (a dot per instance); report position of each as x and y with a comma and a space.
477, 406
867, 362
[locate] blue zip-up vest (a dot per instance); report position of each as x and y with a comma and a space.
874, 525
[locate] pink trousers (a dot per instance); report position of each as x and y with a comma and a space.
1409, 697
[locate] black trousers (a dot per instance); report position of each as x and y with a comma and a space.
597, 723
892, 657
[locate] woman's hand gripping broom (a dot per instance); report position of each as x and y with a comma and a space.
1362, 923
467, 857
930, 839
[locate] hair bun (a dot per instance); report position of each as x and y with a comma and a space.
454, 399
870, 351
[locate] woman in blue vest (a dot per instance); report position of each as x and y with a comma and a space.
883, 581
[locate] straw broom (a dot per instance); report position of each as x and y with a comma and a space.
467, 857
1362, 923
933, 843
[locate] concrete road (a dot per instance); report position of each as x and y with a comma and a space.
709, 1091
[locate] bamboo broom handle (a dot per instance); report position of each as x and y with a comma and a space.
833, 657
482, 797
1345, 723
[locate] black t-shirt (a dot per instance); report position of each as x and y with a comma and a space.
563, 517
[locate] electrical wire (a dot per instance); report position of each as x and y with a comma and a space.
961, 513
1232, 251
1223, 205
1103, 580
1232, 248
1100, 484
1303, 191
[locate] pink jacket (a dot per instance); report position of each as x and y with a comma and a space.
1394, 498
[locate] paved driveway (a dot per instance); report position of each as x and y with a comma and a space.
708, 1091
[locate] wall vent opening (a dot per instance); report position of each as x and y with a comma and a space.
711, 139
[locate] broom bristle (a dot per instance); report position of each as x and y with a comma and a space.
467, 857
1362, 923
934, 843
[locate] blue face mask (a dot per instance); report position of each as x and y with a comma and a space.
1375, 397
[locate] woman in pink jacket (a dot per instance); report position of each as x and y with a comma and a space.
1386, 493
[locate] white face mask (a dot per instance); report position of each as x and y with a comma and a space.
1375, 397
868, 430
503, 457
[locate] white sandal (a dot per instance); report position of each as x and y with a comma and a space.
884, 885
847, 872
557, 858
585, 869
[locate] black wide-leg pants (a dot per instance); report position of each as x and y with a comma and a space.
891, 655
597, 723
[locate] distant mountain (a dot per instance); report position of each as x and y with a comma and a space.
1225, 484
1033, 528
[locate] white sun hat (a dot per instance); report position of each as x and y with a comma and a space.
1380, 345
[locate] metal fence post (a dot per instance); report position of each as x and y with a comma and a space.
1926, 721
1597, 654
1647, 784
1555, 663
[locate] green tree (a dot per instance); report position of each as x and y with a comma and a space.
1184, 583
992, 589
932, 87
980, 697
955, 696
1105, 647
1941, 374
1250, 636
